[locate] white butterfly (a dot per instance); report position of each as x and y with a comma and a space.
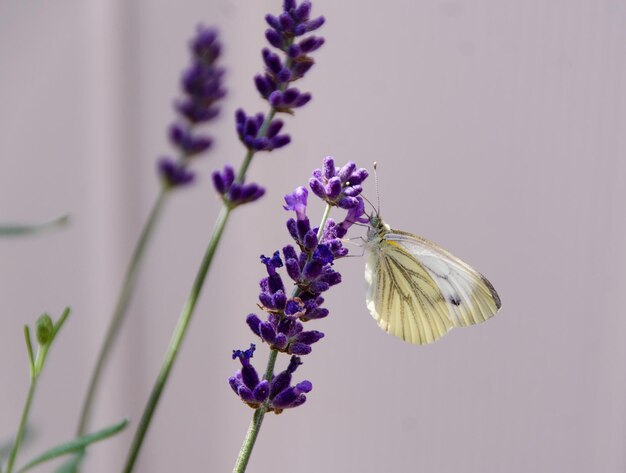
418, 291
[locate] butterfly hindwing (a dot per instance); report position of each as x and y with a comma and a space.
418, 291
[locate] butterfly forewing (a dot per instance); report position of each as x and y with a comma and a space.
418, 291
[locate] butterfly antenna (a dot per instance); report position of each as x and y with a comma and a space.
369, 202
377, 193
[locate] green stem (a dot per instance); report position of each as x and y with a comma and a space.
271, 361
20, 431
255, 424
119, 313
320, 230
187, 312
36, 367
259, 414
248, 444
176, 340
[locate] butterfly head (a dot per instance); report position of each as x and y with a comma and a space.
377, 227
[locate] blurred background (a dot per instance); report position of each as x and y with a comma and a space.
500, 132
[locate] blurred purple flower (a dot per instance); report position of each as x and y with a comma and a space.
235, 194
202, 87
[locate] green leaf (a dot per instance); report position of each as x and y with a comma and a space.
71, 466
77, 445
11, 230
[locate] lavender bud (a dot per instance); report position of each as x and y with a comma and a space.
262, 391
285, 398
274, 38
280, 343
293, 269
292, 228
346, 171
298, 348
312, 270
333, 188
279, 383
267, 332
302, 11
245, 393
263, 85
254, 322
317, 187
329, 167
274, 127
310, 44
273, 22
272, 61
310, 241
249, 376
309, 337
302, 100
286, 22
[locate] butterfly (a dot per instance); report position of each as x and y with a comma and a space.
418, 291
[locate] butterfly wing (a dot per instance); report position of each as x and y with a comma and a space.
418, 291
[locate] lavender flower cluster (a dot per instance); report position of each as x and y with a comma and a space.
309, 264
233, 193
202, 87
256, 132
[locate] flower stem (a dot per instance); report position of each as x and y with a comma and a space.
255, 424
119, 313
269, 371
320, 230
20, 431
251, 435
187, 312
36, 367
176, 340
259, 414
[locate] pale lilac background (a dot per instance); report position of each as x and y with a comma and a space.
500, 131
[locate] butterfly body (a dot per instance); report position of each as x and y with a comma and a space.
418, 291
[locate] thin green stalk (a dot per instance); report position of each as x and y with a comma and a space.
320, 230
248, 444
20, 431
176, 340
36, 367
119, 313
187, 312
271, 361
259, 414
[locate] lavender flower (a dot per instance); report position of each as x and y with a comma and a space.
202, 86
250, 132
278, 393
233, 193
309, 265
338, 186
256, 132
